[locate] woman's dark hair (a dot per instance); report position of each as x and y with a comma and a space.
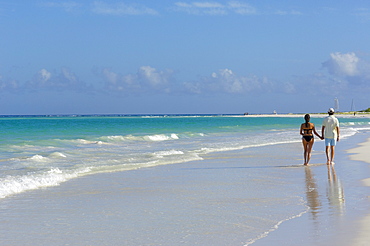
307, 119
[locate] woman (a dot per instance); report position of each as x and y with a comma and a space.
307, 130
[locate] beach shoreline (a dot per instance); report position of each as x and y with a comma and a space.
361, 153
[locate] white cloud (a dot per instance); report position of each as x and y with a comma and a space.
215, 8
242, 8
347, 73
363, 13
110, 76
65, 80
68, 77
207, 5
68, 6
350, 69
226, 81
291, 12
195, 88
9, 85
343, 64
289, 88
44, 75
121, 9
154, 77
147, 78
327, 85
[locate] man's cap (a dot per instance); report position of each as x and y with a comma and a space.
331, 110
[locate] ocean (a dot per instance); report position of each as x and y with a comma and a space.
41, 152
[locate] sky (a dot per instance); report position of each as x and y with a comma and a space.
183, 57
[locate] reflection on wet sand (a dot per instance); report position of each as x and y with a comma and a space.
312, 194
334, 192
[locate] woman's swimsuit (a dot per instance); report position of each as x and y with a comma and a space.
307, 134
307, 138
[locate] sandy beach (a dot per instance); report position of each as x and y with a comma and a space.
200, 203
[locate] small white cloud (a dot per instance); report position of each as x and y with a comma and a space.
229, 82
242, 8
10, 85
289, 88
215, 8
150, 75
226, 81
68, 6
121, 9
44, 75
207, 5
195, 88
110, 76
363, 13
147, 78
68, 77
291, 12
65, 80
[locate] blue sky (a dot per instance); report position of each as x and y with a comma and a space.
168, 57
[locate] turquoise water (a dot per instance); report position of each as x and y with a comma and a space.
39, 152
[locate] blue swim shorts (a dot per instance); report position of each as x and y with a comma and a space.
330, 142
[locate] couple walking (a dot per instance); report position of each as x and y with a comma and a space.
329, 132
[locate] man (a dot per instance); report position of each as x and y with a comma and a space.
330, 131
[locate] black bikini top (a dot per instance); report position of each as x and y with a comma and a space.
307, 131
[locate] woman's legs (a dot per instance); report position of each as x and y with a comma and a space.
309, 150
304, 142
307, 147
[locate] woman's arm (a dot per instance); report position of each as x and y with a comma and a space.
314, 130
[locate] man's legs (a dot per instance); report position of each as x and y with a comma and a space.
332, 153
327, 150
330, 150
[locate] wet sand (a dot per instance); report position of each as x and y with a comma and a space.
340, 213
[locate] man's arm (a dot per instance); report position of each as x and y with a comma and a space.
338, 133
322, 131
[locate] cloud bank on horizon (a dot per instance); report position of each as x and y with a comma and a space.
237, 50
347, 71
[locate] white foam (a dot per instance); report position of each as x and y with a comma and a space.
37, 158
57, 155
156, 138
162, 154
117, 138
11, 185
161, 137
276, 226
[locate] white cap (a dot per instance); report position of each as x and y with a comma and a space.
331, 110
